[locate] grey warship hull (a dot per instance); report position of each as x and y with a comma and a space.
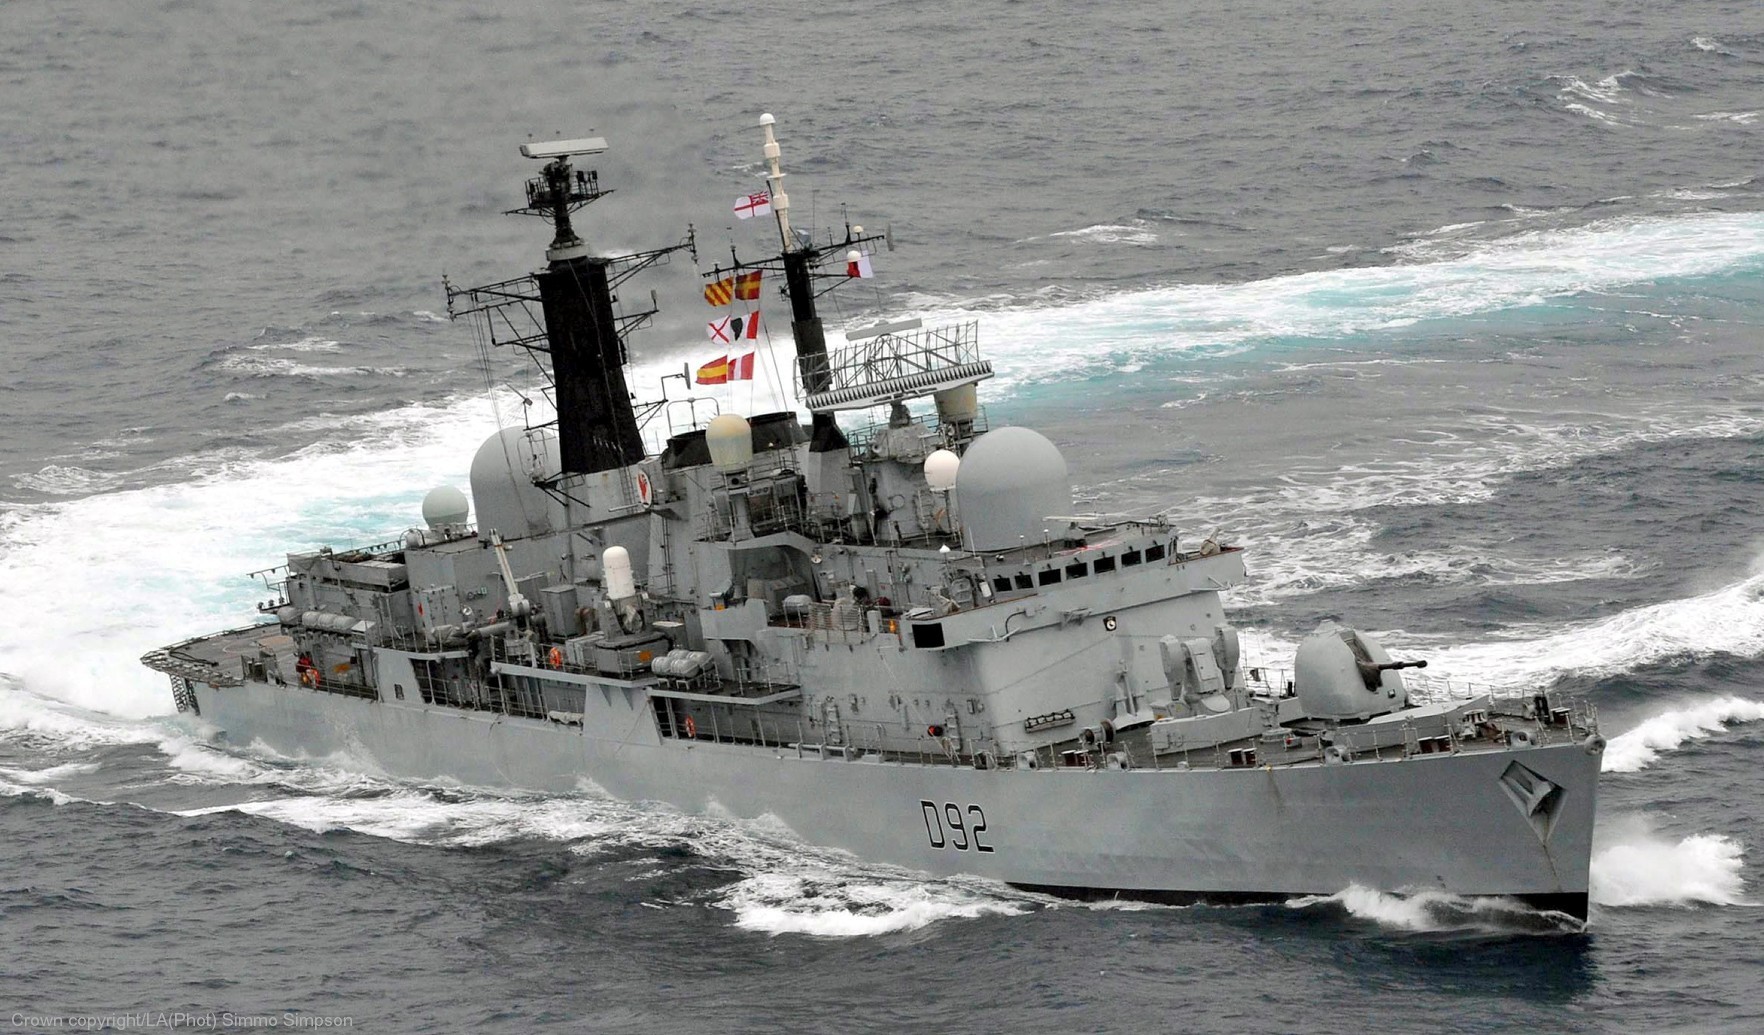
1393, 820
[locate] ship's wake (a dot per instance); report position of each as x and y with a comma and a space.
1441, 279
756, 871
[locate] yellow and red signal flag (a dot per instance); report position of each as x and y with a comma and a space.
723, 369
745, 286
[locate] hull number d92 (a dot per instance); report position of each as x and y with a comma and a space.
949, 825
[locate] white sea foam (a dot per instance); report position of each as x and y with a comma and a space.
832, 904
1113, 233
308, 344
1638, 748
1744, 118
46, 724
205, 763
273, 366
793, 888
1608, 90
64, 480
1633, 866
1438, 911
48, 775
25, 790
419, 817
1593, 113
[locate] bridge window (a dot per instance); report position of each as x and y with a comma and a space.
1077, 570
1049, 577
1001, 584
1154, 552
1024, 581
1104, 565
1130, 558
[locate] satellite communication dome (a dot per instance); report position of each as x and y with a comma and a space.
503, 472
730, 439
940, 469
1010, 482
446, 505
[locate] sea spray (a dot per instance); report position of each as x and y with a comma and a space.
1634, 866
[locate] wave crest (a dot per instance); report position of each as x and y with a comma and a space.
1637, 749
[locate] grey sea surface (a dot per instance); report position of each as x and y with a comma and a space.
1449, 314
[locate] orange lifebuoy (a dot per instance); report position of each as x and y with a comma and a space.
691, 729
556, 658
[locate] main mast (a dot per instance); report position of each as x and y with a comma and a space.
576, 322
596, 425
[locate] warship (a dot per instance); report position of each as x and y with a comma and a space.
894, 635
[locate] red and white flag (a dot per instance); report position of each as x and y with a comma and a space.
741, 369
735, 328
749, 205
857, 264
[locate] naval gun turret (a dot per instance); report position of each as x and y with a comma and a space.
1344, 674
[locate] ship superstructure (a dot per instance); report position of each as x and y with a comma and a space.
896, 637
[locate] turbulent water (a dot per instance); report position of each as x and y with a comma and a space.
1451, 317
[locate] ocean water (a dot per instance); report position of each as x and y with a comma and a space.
1452, 318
